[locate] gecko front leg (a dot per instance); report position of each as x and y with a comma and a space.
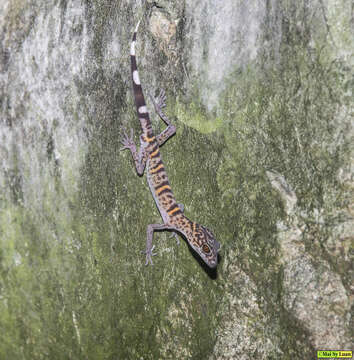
139, 158
149, 235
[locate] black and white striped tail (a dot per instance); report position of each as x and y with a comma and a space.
138, 91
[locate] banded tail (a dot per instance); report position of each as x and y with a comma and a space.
138, 91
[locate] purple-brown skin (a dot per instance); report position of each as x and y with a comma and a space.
201, 239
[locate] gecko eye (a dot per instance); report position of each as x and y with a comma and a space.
206, 248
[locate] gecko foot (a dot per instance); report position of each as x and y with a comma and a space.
128, 142
149, 255
176, 237
160, 101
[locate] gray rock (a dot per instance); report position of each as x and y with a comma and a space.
262, 97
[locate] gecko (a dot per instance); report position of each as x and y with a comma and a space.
199, 237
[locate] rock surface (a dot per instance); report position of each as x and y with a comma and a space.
262, 97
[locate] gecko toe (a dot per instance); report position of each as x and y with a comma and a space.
149, 255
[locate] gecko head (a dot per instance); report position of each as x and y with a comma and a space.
205, 244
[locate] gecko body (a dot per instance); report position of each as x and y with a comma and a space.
199, 237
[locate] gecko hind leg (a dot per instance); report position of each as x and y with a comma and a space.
159, 104
140, 157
